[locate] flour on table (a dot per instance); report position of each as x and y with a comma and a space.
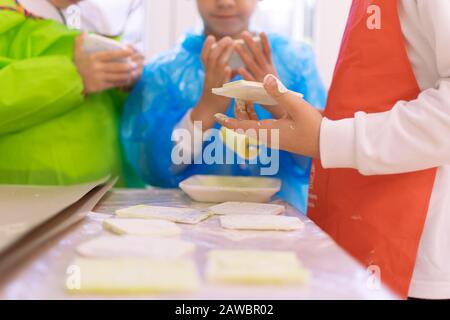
140, 227
131, 276
180, 215
262, 223
133, 246
254, 267
247, 208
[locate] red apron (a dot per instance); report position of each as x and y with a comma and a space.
377, 219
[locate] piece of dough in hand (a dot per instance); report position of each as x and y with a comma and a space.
247, 208
131, 276
254, 267
138, 247
261, 223
140, 227
248, 91
180, 215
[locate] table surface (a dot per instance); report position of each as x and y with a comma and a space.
334, 274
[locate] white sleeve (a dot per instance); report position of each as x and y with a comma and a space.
414, 135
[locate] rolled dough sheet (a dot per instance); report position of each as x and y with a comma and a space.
248, 91
247, 208
262, 223
133, 246
246, 147
140, 227
180, 215
131, 276
254, 267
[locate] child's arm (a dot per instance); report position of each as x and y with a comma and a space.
150, 116
412, 136
39, 78
37, 89
155, 120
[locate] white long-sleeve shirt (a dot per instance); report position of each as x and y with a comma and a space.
413, 136
43, 8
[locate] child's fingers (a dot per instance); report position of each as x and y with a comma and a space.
286, 99
224, 58
240, 110
246, 75
222, 45
124, 77
244, 110
235, 124
251, 111
266, 47
207, 47
138, 57
119, 67
254, 48
79, 42
112, 55
228, 73
248, 60
277, 112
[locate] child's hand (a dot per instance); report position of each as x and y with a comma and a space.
139, 59
299, 131
217, 73
101, 71
259, 62
244, 110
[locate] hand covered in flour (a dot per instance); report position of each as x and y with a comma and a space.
105, 70
258, 62
298, 130
215, 58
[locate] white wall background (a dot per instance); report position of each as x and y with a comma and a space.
331, 16
111, 18
167, 21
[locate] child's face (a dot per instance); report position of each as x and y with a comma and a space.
226, 17
62, 4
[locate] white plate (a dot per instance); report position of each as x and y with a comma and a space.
215, 189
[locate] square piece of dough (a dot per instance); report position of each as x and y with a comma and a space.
261, 223
247, 208
248, 91
180, 215
254, 267
140, 227
137, 247
131, 276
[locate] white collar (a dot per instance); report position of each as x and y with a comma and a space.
43, 9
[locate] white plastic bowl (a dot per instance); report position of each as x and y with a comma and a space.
216, 189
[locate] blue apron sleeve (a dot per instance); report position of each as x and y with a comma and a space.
150, 116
